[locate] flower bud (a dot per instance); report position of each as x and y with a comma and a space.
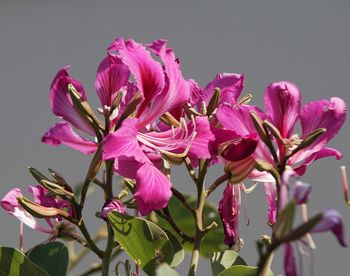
112, 205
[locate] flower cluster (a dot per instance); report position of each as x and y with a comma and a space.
154, 117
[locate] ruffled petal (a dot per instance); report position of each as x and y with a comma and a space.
200, 144
153, 189
328, 114
112, 75
230, 84
229, 210
62, 133
176, 90
61, 102
324, 152
196, 92
124, 143
283, 102
10, 204
147, 72
332, 221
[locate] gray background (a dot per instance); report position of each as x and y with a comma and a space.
306, 42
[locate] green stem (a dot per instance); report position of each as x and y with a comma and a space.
201, 196
108, 196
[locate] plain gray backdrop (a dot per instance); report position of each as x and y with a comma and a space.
306, 42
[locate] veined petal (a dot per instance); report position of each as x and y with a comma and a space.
196, 92
62, 133
230, 84
229, 210
147, 72
126, 166
283, 102
111, 76
237, 118
271, 196
153, 189
176, 90
332, 221
10, 204
61, 102
200, 144
328, 114
124, 143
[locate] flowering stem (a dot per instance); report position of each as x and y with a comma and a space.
201, 196
108, 195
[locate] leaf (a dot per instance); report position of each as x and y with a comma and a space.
165, 269
241, 270
179, 252
14, 263
285, 221
51, 256
213, 240
224, 260
146, 243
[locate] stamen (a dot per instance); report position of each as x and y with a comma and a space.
345, 184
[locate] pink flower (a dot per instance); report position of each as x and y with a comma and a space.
138, 144
283, 109
10, 204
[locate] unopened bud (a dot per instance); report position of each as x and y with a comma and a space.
40, 211
57, 189
214, 101
310, 139
112, 205
38, 176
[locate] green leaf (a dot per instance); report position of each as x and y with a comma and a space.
224, 260
14, 263
241, 270
51, 256
179, 252
165, 269
285, 221
213, 240
146, 243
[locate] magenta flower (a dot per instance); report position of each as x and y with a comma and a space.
283, 109
138, 144
10, 204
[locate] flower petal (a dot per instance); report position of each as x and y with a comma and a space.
176, 91
124, 142
11, 205
111, 76
229, 210
126, 166
301, 192
147, 72
328, 114
61, 102
153, 189
283, 101
62, 133
332, 221
230, 84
